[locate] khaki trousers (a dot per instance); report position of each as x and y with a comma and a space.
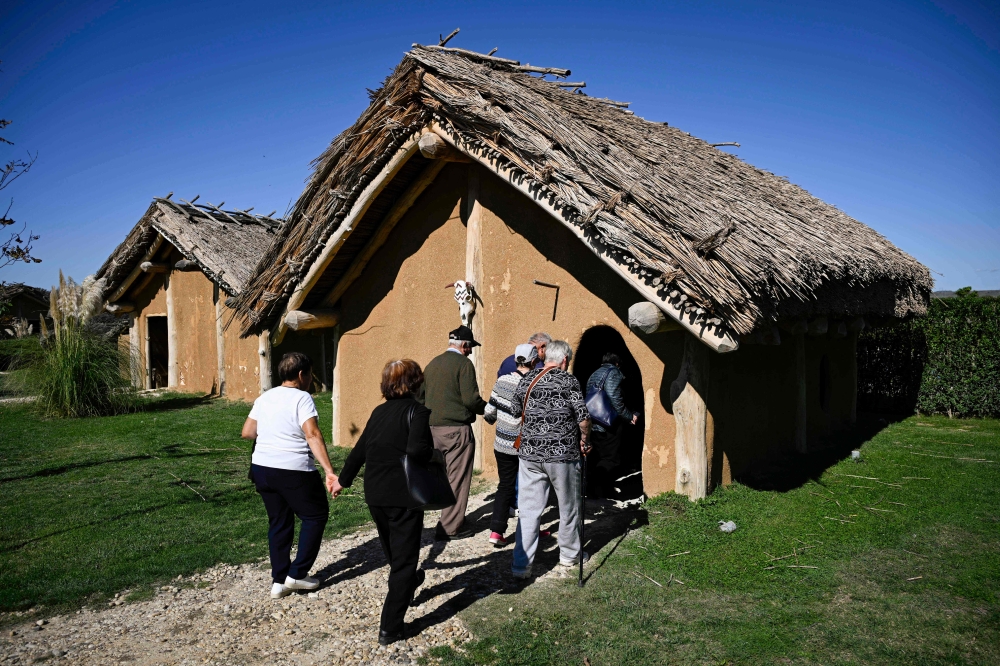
458, 446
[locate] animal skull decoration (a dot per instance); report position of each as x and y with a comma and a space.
465, 295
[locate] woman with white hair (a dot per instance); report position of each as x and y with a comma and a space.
555, 427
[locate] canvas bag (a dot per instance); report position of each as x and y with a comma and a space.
427, 482
524, 407
602, 411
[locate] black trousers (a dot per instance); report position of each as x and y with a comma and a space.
288, 493
604, 460
399, 532
507, 466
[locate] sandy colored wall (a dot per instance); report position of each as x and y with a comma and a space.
194, 312
242, 362
399, 306
522, 243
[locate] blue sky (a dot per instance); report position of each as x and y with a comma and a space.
888, 110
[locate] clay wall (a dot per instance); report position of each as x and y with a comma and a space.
399, 307
194, 312
522, 243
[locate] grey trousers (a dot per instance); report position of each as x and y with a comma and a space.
458, 446
534, 480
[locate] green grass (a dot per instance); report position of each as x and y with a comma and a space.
92, 506
907, 571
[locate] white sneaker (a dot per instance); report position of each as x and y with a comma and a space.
576, 562
278, 591
307, 583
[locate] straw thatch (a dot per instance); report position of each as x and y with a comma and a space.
225, 244
740, 247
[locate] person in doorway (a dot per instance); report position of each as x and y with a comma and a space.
603, 464
451, 392
554, 432
397, 427
287, 446
498, 411
539, 342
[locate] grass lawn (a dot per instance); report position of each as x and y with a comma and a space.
89, 507
893, 560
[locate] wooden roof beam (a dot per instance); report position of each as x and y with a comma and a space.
137, 271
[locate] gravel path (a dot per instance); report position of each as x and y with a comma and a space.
226, 616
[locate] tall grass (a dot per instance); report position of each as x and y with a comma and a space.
78, 372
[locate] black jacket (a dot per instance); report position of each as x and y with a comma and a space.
388, 435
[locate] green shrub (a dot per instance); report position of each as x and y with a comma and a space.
17, 351
945, 363
80, 374
77, 372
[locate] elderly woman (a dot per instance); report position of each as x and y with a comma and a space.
283, 468
397, 427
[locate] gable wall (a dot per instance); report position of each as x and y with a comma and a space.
398, 307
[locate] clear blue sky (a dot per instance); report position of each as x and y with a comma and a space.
888, 110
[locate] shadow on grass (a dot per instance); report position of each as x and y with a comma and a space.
173, 401
92, 523
792, 470
490, 573
171, 452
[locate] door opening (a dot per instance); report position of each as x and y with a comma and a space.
157, 354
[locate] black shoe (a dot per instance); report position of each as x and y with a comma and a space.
440, 534
464, 532
385, 638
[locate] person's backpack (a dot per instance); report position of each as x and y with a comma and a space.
602, 411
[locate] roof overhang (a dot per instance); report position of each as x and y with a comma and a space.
713, 336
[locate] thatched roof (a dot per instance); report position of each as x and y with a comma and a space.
13, 289
730, 245
225, 244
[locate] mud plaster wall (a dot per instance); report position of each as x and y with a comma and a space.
194, 313
241, 360
150, 302
399, 307
522, 243
753, 394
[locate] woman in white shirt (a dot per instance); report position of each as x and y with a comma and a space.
283, 468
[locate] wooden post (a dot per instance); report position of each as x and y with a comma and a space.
693, 439
135, 352
264, 351
148, 379
322, 361
220, 341
335, 388
171, 335
474, 275
801, 405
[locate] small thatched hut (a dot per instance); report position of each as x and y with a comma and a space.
734, 296
25, 302
172, 277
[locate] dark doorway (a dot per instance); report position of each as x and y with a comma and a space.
594, 343
158, 354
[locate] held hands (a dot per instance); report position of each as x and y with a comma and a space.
333, 484
635, 418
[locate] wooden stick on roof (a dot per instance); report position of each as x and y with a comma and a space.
554, 71
567, 84
611, 102
445, 40
495, 49
724, 143
470, 54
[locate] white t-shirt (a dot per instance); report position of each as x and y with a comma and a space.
281, 443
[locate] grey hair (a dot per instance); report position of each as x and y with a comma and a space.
540, 337
556, 351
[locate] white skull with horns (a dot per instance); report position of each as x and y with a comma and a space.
465, 295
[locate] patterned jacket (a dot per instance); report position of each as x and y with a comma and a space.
551, 431
498, 411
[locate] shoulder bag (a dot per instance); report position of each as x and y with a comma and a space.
602, 411
524, 407
427, 483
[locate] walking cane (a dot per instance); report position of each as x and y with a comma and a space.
583, 510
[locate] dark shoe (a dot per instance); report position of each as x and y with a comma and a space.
440, 534
385, 638
464, 532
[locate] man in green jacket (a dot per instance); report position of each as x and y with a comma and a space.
452, 394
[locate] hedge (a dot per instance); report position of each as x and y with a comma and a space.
945, 363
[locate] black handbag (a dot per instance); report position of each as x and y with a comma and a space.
599, 404
427, 482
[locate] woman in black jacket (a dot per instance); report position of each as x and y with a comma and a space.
396, 427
